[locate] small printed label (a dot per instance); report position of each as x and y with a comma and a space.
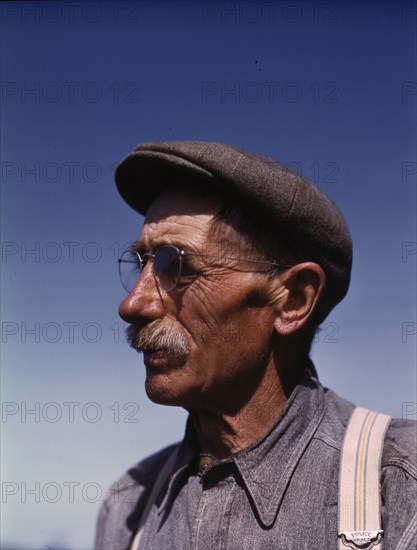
363, 540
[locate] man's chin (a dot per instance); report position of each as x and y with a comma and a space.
160, 393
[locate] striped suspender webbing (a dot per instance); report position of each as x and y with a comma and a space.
359, 485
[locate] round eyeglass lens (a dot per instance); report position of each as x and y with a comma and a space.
129, 269
167, 266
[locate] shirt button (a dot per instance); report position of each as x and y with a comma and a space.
205, 464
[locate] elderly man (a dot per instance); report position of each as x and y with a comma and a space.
238, 262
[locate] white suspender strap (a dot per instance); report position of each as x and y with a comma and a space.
159, 481
359, 486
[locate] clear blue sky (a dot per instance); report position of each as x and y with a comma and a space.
327, 87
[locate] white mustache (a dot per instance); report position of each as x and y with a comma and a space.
158, 337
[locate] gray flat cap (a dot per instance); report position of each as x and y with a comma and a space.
294, 205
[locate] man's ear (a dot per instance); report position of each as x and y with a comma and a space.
304, 285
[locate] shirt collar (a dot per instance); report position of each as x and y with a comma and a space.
267, 466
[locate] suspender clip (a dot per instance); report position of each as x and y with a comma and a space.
361, 540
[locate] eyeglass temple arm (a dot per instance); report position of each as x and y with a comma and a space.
185, 253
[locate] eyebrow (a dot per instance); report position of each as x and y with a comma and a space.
138, 246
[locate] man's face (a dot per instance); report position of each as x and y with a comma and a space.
223, 314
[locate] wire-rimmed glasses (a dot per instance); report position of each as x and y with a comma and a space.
168, 266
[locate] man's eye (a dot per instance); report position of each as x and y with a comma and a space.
132, 262
189, 269
144, 261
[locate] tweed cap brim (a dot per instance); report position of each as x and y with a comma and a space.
294, 205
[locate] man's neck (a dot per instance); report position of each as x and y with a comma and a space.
222, 433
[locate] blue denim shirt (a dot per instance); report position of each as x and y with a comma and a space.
281, 493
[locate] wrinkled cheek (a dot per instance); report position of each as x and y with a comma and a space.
220, 322
251, 332
200, 317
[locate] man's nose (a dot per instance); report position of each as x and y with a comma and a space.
144, 302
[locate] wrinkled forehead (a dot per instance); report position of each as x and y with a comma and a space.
182, 217
185, 202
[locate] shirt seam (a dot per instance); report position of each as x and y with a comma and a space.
403, 465
408, 535
328, 441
